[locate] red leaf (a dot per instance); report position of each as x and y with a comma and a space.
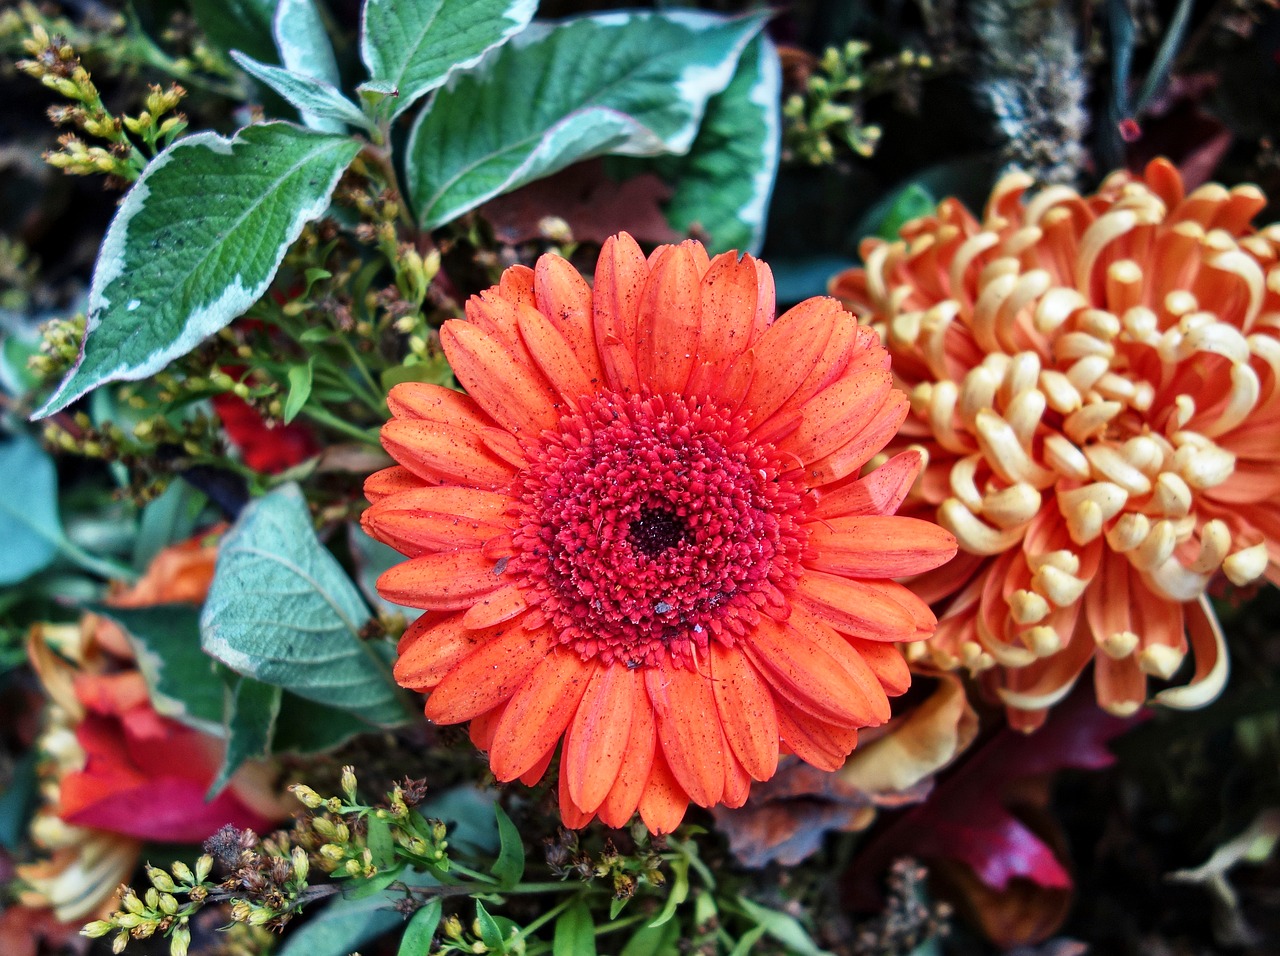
967, 818
594, 206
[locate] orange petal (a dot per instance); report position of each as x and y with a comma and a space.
849, 458
496, 316
814, 674
518, 397
766, 301
482, 728
437, 519
790, 349
432, 647
887, 662
689, 730
1121, 685
619, 281
534, 774
869, 698
597, 739
564, 297
669, 319
737, 782
745, 705
445, 453
876, 546
814, 741
554, 356
663, 804
538, 713
837, 415
728, 295
572, 815
879, 493
450, 581
434, 403
390, 481
516, 284
637, 764
489, 676
860, 608
496, 608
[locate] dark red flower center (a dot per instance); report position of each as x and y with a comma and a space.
653, 524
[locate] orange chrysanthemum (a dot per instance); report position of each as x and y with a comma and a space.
1097, 383
642, 534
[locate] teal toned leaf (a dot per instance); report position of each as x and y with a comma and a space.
509, 866
167, 520
724, 183
372, 557
415, 46
237, 24
182, 680
283, 611
575, 932
418, 934
303, 41
320, 104
629, 83
252, 711
29, 525
196, 241
343, 926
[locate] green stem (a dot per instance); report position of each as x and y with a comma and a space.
374, 397
103, 567
546, 917
475, 875
329, 420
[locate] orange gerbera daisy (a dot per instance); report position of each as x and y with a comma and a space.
1097, 383
642, 531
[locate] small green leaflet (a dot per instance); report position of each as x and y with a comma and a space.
303, 42
575, 932
413, 47
253, 708
196, 241
29, 523
418, 934
628, 83
724, 182
239, 24
283, 611
509, 866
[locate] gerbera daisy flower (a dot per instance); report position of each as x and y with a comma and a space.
1095, 380
641, 536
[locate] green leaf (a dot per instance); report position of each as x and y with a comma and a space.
679, 891
252, 710
509, 866
490, 930
167, 520
653, 940
303, 41
196, 241
16, 376
888, 216
785, 929
282, 610
239, 24
724, 183
306, 727
18, 800
183, 681
747, 941
358, 889
415, 46
380, 843
421, 929
29, 524
575, 932
299, 389
630, 83
319, 103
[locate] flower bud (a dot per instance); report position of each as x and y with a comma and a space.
97, 928
161, 880
179, 941
203, 866
308, 797
183, 872
349, 782
301, 864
